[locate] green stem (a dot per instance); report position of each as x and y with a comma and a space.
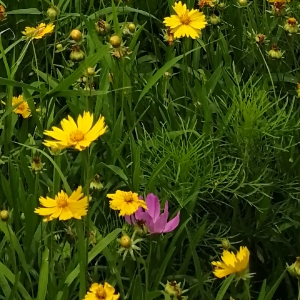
298, 289
82, 258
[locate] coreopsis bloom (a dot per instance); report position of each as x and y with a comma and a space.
63, 206
294, 269
155, 222
232, 263
210, 3
78, 136
2, 13
38, 32
101, 292
126, 202
22, 108
291, 25
186, 22
279, 1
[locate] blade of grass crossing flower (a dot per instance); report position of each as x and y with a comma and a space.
224, 287
12, 279
29, 99
43, 276
199, 274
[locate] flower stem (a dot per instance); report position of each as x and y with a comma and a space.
298, 289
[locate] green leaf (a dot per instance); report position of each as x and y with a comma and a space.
224, 287
25, 11
272, 291
43, 276
118, 171
12, 278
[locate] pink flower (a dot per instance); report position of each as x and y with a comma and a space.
152, 219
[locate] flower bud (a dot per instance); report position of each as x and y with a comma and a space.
291, 26
278, 9
242, 2
90, 72
59, 47
131, 27
115, 41
76, 35
96, 183
275, 52
76, 54
221, 5
298, 90
172, 288
225, 244
51, 13
102, 27
294, 269
37, 164
22, 217
214, 20
125, 241
4, 215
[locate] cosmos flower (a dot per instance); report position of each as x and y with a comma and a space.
63, 206
126, 202
78, 136
154, 221
232, 263
39, 31
186, 22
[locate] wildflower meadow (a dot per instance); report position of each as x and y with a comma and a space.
149, 149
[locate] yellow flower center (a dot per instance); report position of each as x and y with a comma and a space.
77, 136
22, 106
128, 197
185, 19
62, 201
100, 293
292, 21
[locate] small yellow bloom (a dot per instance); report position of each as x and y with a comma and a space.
78, 136
186, 22
39, 31
63, 206
232, 263
203, 3
101, 292
294, 269
22, 108
126, 202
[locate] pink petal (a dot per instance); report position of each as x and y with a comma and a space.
139, 214
153, 206
127, 219
161, 221
171, 225
149, 223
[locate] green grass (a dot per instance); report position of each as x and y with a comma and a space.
210, 125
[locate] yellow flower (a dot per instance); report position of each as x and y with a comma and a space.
281, 1
63, 206
78, 136
101, 292
39, 31
203, 3
22, 108
185, 22
126, 202
232, 263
